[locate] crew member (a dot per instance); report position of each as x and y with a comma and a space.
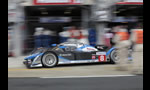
122, 43
74, 34
38, 37
83, 36
46, 39
107, 37
137, 39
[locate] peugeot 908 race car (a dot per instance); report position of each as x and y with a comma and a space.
70, 53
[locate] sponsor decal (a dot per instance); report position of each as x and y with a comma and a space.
133, 0
100, 53
93, 57
90, 49
65, 54
54, 19
102, 58
51, 2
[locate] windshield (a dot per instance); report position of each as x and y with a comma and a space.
56, 48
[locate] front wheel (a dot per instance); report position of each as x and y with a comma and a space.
49, 59
114, 57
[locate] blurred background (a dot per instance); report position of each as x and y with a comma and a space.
40, 23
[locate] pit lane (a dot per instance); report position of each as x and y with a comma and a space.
67, 71
17, 69
96, 83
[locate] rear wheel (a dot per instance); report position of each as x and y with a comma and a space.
49, 59
114, 57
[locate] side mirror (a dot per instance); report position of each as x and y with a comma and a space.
53, 45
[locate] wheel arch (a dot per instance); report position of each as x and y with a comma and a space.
110, 50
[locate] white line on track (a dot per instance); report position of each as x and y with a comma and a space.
90, 76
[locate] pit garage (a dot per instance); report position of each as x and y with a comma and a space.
127, 13
53, 17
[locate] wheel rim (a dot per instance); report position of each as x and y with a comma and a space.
49, 59
114, 56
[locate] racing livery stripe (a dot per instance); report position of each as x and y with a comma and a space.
33, 56
73, 60
80, 48
110, 51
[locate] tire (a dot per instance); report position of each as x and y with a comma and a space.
27, 64
49, 60
113, 57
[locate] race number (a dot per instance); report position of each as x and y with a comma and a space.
101, 56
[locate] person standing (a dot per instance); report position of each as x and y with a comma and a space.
47, 38
113, 31
107, 37
122, 43
74, 34
137, 54
38, 37
83, 36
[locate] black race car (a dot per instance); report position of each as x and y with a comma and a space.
69, 53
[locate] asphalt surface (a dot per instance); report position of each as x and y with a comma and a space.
17, 69
93, 83
71, 77
68, 70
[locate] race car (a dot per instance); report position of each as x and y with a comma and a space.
70, 53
